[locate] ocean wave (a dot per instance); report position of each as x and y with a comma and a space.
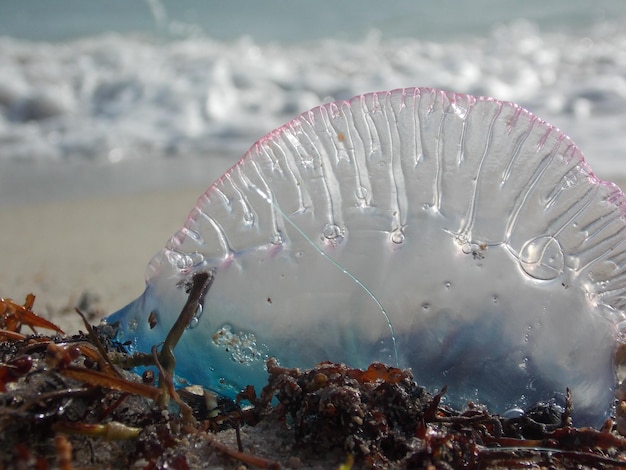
121, 96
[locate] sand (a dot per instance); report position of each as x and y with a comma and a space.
99, 246
61, 250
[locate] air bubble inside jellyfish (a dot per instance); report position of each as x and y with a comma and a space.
462, 237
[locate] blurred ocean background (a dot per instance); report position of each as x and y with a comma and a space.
125, 96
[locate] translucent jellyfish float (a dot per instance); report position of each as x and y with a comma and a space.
462, 237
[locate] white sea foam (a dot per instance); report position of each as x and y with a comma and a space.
119, 97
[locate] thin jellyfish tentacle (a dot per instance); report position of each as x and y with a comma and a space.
395, 107
599, 248
439, 163
332, 230
323, 196
429, 147
298, 148
582, 203
337, 265
248, 212
277, 227
470, 218
365, 131
396, 174
518, 144
363, 188
533, 186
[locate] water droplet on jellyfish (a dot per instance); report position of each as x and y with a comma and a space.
276, 238
195, 320
397, 236
248, 218
332, 233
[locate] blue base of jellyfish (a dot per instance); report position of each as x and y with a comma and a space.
458, 332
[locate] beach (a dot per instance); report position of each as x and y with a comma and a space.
116, 117
62, 250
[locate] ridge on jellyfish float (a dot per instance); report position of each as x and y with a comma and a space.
460, 236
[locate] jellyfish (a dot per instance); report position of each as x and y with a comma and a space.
459, 236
